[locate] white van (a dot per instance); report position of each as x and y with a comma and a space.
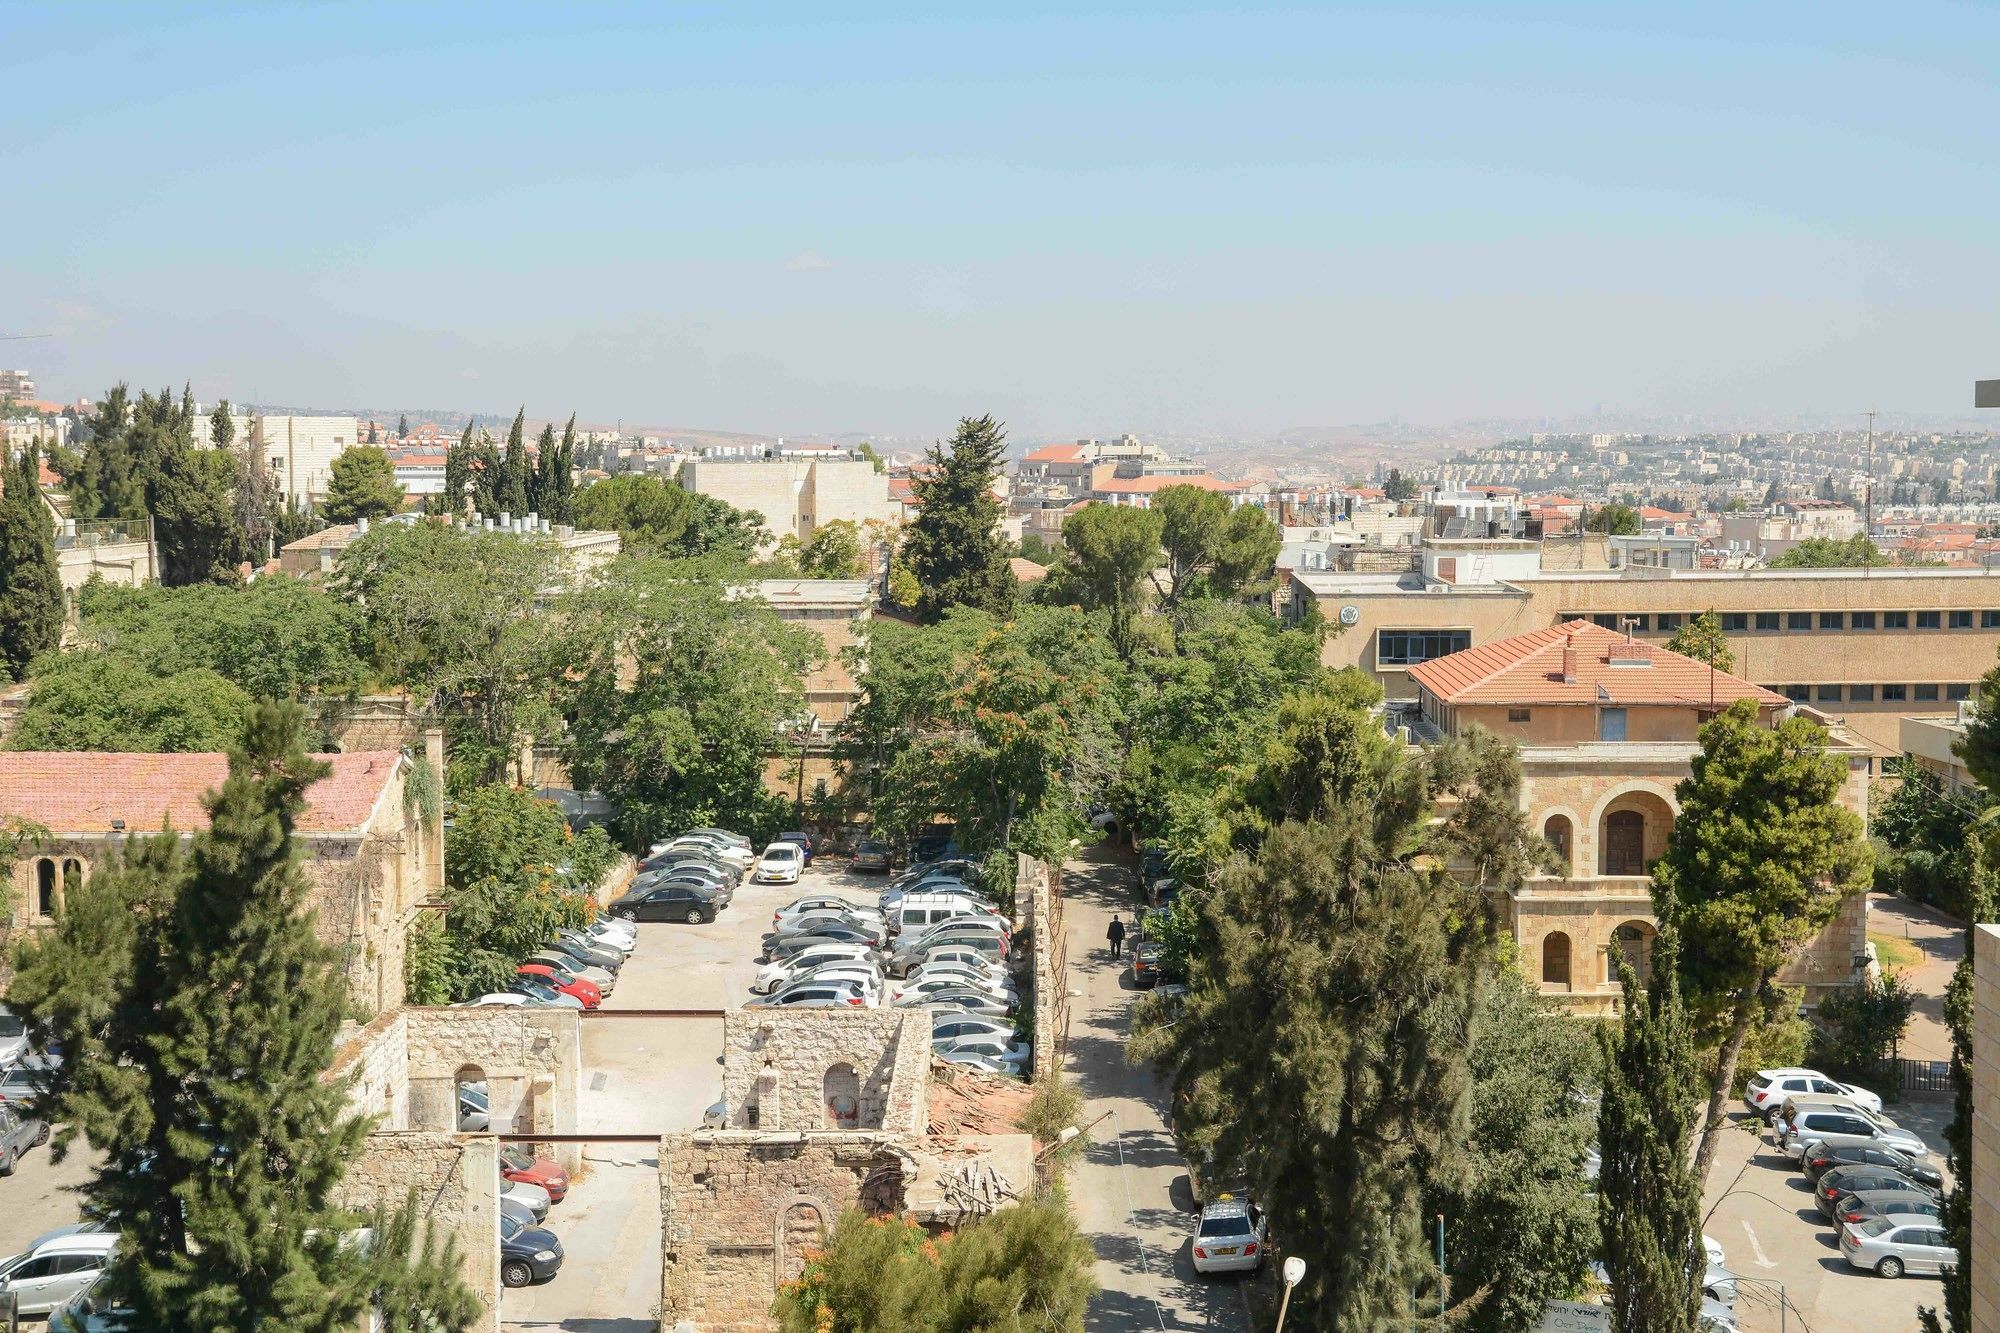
55, 1268
920, 911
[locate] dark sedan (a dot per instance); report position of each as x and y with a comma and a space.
672, 860
803, 840
873, 854
527, 1254
667, 902
1853, 1209
1842, 1181
722, 893
1820, 1159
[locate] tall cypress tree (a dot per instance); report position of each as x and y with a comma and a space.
199, 1013
541, 477
1649, 1198
31, 592
560, 493
457, 469
512, 490
403, 427
953, 546
191, 494
1982, 900
485, 471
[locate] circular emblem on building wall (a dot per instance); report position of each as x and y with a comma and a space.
1350, 615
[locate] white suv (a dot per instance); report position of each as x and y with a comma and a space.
1767, 1089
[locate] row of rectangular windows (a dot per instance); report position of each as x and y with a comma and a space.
1740, 622
1868, 694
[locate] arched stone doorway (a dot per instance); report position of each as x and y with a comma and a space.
1632, 829
801, 1228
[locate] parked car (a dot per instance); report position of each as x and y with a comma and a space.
804, 841
1845, 1180
778, 947
569, 983
779, 865
822, 902
527, 1254
719, 835
474, 1109
935, 843
94, 1310
1767, 1089
775, 974
56, 1268
866, 976
668, 902
1146, 964
659, 862
793, 918
728, 853
517, 1210
910, 951
21, 1128
921, 911
950, 1027
1016, 1055
814, 995
958, 868
985, 1064
21, 1084
873, 854
541, 993
963, 956
913, 990
611, 933
1837, 1122
499, 999
967, 998
578, 944
1893, 1246
1886, 1203
13, 1036
1229, 1238
721, 880
533, 1197
964, 974
556, 956
517, 1163
1819, 1158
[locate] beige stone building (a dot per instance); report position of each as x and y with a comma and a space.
1606, 726
1869, 647
319, 552
1932, 742
372, 860
796, 494
834, 609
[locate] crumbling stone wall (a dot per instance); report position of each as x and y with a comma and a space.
377, 1059
779, 1067
455, 1184
739, 1210
1035, 887
531, 1060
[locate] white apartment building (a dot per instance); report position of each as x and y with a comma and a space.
1767, 536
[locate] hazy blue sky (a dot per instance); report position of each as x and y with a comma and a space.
1087, 219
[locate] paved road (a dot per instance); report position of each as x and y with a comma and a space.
38, 1196
1131, 1190
1942, 942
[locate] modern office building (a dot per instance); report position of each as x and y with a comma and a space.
1869, 646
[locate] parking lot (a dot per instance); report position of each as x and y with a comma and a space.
652, 1076
1778, 1241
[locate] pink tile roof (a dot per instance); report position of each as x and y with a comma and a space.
1055, 453
1148, 485
1027, 571
1648, 511
1528, 669
83, 791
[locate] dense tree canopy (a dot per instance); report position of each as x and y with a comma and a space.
1829, 553
661, 518
1617, 520
1111, 550
677, 687
362, 485
1211, 545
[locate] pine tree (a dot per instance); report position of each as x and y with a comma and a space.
457, 471
1649, 1199
31, 592
560, 494
953, 546
362, 484
199, 1012
512, 490
541, 477
107, 483
402, 428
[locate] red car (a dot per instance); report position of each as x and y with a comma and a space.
517, 1163
566, 982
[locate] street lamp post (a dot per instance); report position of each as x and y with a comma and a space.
1295, 1268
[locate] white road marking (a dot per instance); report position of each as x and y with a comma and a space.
1757, 1249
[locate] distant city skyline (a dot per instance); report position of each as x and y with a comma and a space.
1157, 218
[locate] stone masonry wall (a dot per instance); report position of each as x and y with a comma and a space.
783, 1063
739, 1210
377, 1058
1035, 887
455, 1184
530, 1059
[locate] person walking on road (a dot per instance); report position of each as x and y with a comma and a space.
1115, 933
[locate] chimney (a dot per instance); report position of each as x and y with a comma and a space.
1569, 659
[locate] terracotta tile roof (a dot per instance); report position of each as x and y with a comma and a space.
83, 791
1365, 492
1055, 453
1027, 571
1528, 669
1647, 511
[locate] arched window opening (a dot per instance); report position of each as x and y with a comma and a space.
1625, 843
842, 1088
1555, 958
45, 887
1558, 834
475, 1107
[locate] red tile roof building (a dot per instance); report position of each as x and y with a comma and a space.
370, 859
